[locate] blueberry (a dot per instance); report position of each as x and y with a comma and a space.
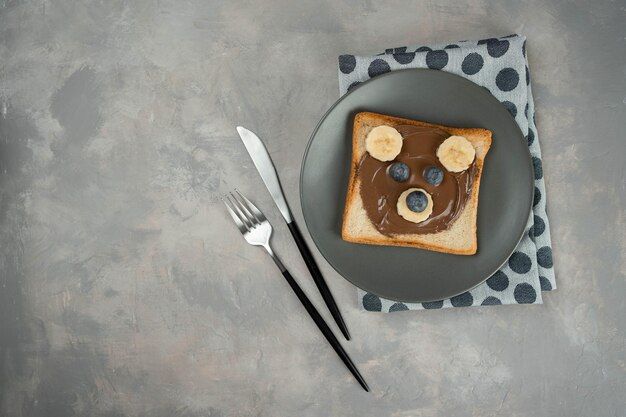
399, 171
433, 175
417, 201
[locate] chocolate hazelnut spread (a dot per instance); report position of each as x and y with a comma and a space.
380, 192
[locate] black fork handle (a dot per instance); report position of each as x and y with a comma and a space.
321, 324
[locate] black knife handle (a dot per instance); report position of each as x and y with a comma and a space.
328, 334
318, 278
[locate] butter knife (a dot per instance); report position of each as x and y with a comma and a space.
264, 165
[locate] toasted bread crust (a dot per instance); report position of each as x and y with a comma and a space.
460, 238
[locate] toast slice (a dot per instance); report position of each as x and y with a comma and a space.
459, 238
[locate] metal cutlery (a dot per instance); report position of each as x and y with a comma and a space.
264, 165
257, 230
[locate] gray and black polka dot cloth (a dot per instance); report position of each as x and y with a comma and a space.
501, 66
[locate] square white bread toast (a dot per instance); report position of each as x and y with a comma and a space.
459, 238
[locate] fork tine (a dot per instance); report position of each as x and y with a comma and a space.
257, 213
243, 228
243, 216
242, 207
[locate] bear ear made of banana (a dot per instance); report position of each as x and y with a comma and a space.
456, 153
384, 143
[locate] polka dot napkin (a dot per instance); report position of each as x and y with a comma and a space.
500, 65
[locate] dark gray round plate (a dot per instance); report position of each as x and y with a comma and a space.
505, 199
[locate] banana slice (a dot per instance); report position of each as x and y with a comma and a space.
456, 153
383, 143
411, 215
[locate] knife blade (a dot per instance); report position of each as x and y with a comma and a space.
267, 170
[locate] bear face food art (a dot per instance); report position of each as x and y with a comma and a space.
417, 185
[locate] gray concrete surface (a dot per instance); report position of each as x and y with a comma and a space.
126, 291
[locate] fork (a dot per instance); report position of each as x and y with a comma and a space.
257, 230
